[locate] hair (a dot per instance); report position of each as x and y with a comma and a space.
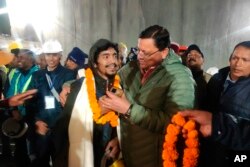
29, 53
159, 34
245, 44
97, 48
15, 51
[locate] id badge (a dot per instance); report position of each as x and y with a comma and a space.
49, 102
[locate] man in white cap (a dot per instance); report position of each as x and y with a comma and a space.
46, 105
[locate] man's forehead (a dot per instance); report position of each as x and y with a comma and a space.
241, 49
108, 51
146, 43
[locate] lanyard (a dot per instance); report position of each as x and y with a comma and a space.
51, 82
52, 89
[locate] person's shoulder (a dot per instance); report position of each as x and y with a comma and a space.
38, 73
129, 66
222, 74
67, 72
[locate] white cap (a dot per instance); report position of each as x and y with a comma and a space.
52, 46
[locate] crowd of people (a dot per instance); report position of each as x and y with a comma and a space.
110, 106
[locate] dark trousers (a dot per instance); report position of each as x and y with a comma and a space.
21, 152
44, 149
6, 151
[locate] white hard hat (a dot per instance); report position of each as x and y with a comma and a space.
52, 46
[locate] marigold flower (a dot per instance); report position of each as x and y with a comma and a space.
190, 125
191, 143
169, 164
193, 134
178, 120
191, 152
110, 116
171, 139
173, 130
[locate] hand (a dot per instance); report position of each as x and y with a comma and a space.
112, 149
41, 128
115, 103
64, 94
20, 98
203, 118
16, 115
102, 105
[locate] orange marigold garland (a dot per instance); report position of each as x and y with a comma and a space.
97, 117
191, 153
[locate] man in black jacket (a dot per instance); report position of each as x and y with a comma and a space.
228, 98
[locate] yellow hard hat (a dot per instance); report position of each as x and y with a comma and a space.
15, 45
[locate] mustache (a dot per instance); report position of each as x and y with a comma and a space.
113, 64
191, 59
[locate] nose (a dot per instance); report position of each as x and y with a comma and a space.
113, 59
191, 56
238, 62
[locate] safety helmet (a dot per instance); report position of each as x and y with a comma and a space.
15, 45
52, 46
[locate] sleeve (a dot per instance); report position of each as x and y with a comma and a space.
231, 131
4, 104
179, 95
69, 76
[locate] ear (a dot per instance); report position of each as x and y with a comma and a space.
95, 65
164, 53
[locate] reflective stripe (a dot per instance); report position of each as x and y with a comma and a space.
25, 87
11, 74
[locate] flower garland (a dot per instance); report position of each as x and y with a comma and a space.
97, 116
191, 153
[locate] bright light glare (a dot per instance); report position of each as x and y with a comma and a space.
3, 11
41, 14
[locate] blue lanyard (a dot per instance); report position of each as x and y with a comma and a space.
51, 82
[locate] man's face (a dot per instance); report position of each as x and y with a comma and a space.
240, 63
14, 62
148, 54
24, 61
52, 60
41, 62
107, 63
194, 60
70, 64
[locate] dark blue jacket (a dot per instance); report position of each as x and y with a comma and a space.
231, 119
58, 76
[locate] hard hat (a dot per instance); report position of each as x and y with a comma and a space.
52, 46
5, 57
15, 45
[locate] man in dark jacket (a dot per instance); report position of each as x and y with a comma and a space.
195, 61
155, 88
228, 98
46, 105
79, 140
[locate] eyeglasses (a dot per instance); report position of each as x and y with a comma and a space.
145, 54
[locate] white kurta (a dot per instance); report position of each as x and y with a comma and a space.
81, 132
